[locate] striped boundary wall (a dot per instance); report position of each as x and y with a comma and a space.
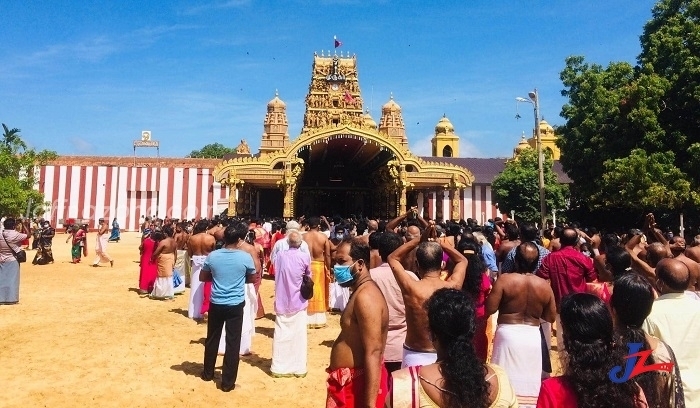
89, 187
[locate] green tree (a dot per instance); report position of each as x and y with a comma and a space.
653, 106
17, 177
212, 151
517, 187
640, 181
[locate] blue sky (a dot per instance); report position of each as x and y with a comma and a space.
86, 77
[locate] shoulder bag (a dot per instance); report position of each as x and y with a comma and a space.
307, 287
20, 256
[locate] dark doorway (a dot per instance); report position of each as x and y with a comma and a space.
344, 176
271, 202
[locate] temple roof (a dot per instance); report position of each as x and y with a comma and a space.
486, 169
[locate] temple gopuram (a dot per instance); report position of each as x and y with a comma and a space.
343, 162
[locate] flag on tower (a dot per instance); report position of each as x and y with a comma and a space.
336, 42
348, 97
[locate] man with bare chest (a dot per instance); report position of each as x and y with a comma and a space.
320, 250
198, 246
182, 264
356, 375
251, 295
521, 299
164, 257
418, 348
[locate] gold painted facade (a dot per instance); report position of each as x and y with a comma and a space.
337, 136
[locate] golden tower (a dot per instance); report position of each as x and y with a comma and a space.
276, 129
549, 140
391, 124
334, 94
445, 142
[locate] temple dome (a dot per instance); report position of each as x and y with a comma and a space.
444, 126
276, 102
391, 106
522, 146
368, 120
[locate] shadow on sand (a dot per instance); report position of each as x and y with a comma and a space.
189, 368
265, 331
259, 362
327, 343
200, 341
179, 311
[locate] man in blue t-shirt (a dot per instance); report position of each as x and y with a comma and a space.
229, 269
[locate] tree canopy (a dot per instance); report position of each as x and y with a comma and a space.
17, 176
632, 136
212, 151
517, 187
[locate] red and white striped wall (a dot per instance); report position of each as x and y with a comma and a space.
129, 192
476, 202
89, 188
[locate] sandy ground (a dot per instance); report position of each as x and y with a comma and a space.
82, 336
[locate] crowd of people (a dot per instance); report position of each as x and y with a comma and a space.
417, 297
434, 314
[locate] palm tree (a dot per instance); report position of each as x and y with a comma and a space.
11, 139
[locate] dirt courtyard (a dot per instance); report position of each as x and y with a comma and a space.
83, 337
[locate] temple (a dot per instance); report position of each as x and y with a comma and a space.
343, 162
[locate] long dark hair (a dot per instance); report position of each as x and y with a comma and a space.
475, 267
591, 352
632, 300
451, 322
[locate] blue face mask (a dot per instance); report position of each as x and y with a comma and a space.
343, 275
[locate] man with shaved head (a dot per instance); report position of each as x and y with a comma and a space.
521, 299
678, 252
568, 270
675, 319
418, 347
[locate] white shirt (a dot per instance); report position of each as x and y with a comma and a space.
283, 245
267, 226
675, 319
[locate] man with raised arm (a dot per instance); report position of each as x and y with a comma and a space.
320, 248
356, 375
199, 246
418, 348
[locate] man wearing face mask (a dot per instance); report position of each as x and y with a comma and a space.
356, 375
418, 347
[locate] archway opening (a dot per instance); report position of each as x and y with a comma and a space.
345, 175
447, 151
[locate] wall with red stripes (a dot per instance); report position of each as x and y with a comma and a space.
129, 193
130, 189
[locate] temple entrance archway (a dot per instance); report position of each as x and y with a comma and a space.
345, 175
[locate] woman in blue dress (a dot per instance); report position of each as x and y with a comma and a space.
115, 231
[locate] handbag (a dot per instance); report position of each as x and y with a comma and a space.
20, 256
307, 287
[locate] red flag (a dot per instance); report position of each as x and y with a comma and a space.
348, 97
336, 42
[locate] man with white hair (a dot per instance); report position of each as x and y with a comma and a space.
283, 244
289, 341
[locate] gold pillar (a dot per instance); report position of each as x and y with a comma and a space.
399, 176
456, 213
288, 184
233, 182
